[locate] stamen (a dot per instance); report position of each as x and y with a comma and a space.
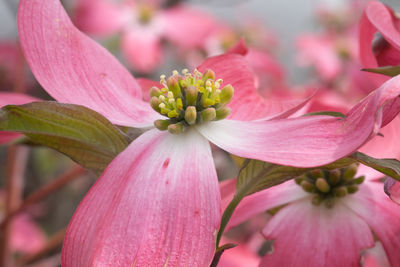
189, 99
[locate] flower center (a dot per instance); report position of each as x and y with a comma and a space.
188, 99
145, 14
327, 186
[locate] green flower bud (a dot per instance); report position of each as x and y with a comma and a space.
322, 185
191, 115
155, 103
176, 128
349, 172
173, 85
154, 91
334, 177
208, 74
307, 186
222, 113
340, 191
208, 114
162, 125
226, 94
191, 96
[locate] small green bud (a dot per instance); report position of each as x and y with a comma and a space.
299, 179
222, 113
154, 91
191, 95
307, 186
176, 128
208, 114
317, 173
359, 180
349, 172
208, 74
162, 125
334, 177
340, 191
173, 85
322, 185
352, 189
226, 94
155, 103
173, 114
191, 115
317, 200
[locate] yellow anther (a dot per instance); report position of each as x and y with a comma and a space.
185, 71
209, 89
171, 100
162, 105
175, 72
162, 98
170, 94
208, 83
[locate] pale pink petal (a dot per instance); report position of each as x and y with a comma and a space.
375, 257
98, 17
75, 69
246, 104
142, 49
381, 214
265, 200
304, 141
313, 236
186, 27
157, 204
392, 189
26, 236
146, 84
12, 99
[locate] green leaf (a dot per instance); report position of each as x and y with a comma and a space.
76, 131
328, 113
386, 70
389, 167
256, 175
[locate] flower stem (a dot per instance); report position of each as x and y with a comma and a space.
14, 183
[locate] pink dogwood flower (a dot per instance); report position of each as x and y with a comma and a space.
384, 49
158, 201
143, 25
327, 219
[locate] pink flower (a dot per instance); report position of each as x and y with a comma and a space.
12, 99
325, 229
385, 49
158, 201
143, 25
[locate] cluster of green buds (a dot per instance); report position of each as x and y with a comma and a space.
327, 185
188, 99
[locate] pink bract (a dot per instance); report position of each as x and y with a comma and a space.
158, 201
141, 40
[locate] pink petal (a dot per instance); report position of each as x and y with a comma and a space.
156, 203
319, 51
239, 256
146, 84
265, 200
75, 69
142, 49
375, 257
313, 236
26, 236
375, 15
304, 141
98, 17
12, 99
392, 189
381, 17
186, 27
381, 214
246, 104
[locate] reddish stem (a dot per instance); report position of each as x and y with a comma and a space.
17, 157
45, 191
